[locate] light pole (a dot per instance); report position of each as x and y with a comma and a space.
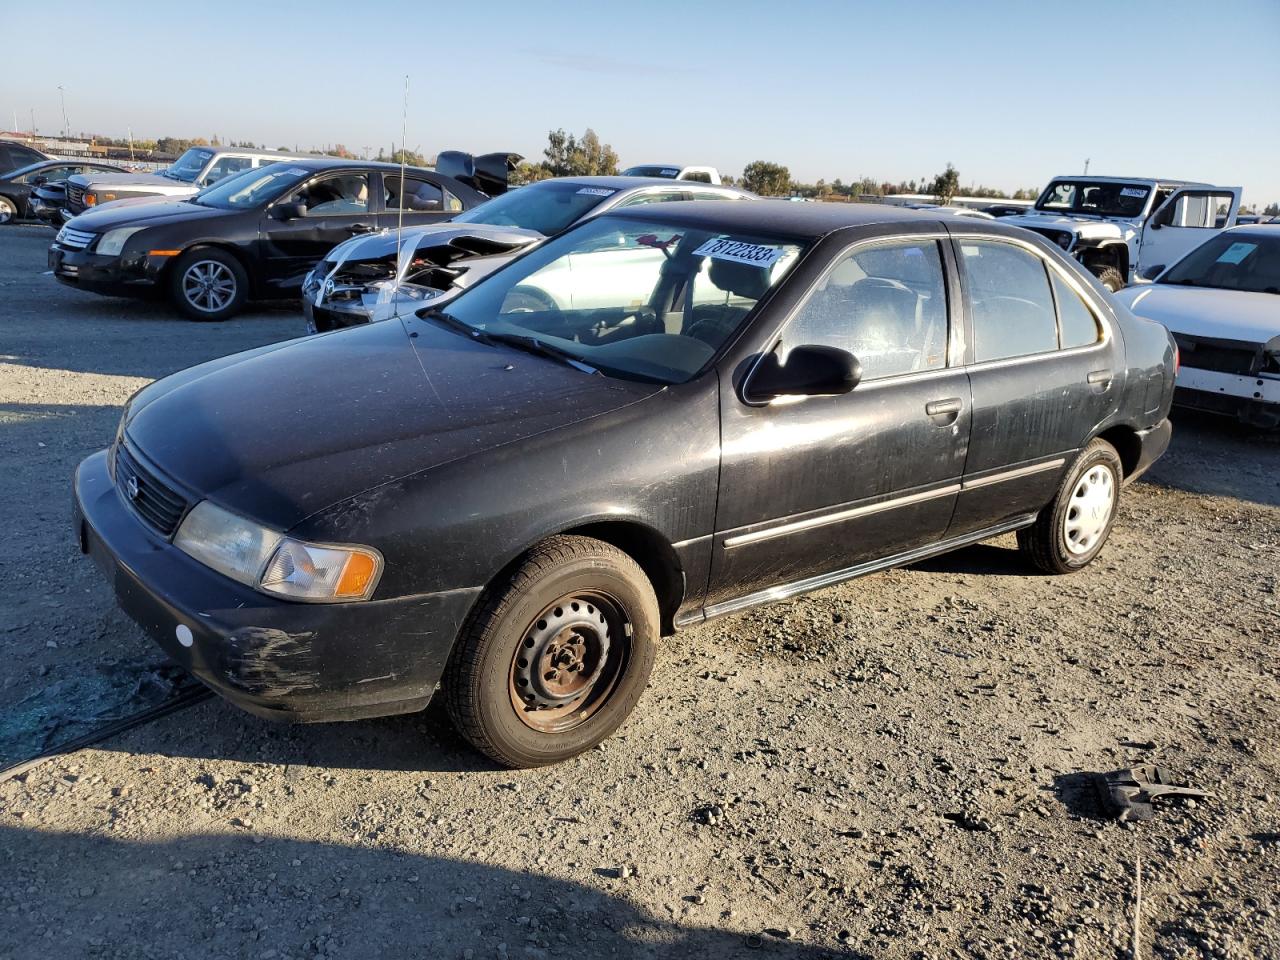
66, 126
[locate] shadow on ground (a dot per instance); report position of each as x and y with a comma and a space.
239, 895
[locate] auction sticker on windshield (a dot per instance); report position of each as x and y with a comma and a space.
1138, 192
726, 248
597, 191
1237, 252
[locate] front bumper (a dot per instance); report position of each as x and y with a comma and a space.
321, 319
274, 658
129, 275
1250, 398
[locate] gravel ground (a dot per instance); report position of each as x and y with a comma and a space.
891, 768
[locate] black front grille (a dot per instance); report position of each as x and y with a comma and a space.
1220, 356
75, 196
157, 503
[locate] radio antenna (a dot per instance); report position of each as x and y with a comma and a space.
404, 132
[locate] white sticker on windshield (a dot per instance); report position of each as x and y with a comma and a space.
295, 172
724, 248
597, 191
1237, 252
1138, 192
671, 173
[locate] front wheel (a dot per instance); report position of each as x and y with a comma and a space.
1071, 530
1109, 277
208, 284
556, 656
8, 210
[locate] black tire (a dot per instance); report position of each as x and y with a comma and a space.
1110, 277
583, 582
220, 301
1048, 542
8, 210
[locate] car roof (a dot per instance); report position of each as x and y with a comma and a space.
807, 221
628, 183
1266, 227
1163, 181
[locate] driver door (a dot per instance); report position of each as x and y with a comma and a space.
1187, 219
337, 208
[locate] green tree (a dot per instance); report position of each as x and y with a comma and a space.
567, 156
945, 185
1272, 210
767, 179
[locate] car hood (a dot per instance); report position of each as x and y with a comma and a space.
387, 242
142, 211
279, 433
1206, 311
149, 181
1083, 227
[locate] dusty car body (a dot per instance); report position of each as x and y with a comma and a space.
1221, 302
515, 503
378, 277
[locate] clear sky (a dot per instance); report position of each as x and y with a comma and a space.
1010, 92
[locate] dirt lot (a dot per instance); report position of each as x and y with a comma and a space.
891, 768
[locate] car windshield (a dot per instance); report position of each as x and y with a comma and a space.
635, 299
188, 166
652, 170
1231, 261
547, 207
1093, 198
251, 188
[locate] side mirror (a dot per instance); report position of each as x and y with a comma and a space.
288, 211
39, 181
810, 371
1150, 273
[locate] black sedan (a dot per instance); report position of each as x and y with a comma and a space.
517, 503
16, 186
255, 234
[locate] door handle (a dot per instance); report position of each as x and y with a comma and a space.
360, 228
1102, 377
943, 412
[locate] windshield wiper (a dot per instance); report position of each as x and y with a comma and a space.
446, 319
542, 349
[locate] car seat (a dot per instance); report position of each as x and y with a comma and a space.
712, 323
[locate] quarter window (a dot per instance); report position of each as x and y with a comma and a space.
886, 304
1077, 326
1009, 300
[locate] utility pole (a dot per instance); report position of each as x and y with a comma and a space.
1086, 166
33, 121
66, 126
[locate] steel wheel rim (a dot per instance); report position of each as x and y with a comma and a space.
1089, 509
569, 661
209, 285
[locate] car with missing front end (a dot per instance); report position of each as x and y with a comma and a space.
253, 235
1119, 227
20, 190
1221, 302
515, 503
381, 276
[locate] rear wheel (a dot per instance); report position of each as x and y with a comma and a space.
1109, 276
555, 657
208, 284
1071, 530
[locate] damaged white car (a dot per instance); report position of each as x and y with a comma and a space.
393, 272
1221, 302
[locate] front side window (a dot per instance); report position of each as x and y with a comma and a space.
635, 299
337, 196
418, 195
1009, 299
1200, 210
886, 304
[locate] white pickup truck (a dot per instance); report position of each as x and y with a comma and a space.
674, 171
1126, 228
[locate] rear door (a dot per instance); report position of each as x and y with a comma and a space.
813, 489
1187, 219
337, 208
1044, 374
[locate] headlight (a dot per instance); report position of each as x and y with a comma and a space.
266, 560
112, 242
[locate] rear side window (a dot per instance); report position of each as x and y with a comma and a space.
419, 195
1077, 326
1010, 301
886, 304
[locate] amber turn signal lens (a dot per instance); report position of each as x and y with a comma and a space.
356, 574
163, 253
90, 199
